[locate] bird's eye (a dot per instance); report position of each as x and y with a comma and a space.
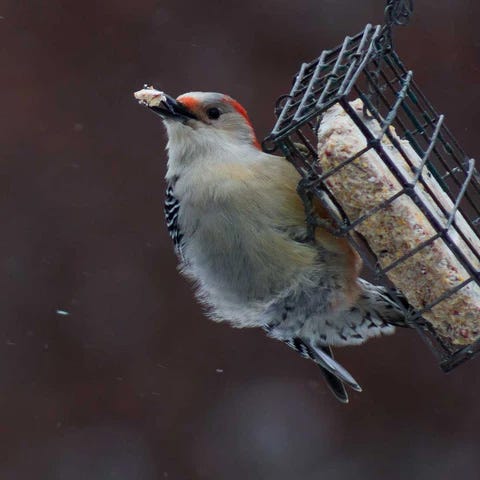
213, 113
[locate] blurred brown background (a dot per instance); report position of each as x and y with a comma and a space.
134, 383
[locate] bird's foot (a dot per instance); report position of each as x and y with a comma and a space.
312, 219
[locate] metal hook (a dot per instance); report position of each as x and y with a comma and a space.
397, 12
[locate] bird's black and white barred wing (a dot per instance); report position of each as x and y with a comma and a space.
172, 207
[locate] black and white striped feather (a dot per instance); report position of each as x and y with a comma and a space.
171, 209
335, 375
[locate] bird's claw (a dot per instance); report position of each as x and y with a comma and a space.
312, 219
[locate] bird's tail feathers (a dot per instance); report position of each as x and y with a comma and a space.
335, 385
322, 356
335, 375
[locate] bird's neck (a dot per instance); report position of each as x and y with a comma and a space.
203, 151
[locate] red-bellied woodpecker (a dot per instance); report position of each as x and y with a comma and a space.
239, 230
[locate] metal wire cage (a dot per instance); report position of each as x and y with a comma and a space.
367, 67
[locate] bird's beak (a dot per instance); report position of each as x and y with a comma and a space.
164, 105
170, 108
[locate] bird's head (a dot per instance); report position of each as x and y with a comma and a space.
199, 122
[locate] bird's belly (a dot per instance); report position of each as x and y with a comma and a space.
243, 270
228, 261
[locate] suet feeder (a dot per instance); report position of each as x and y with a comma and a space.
367, 67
